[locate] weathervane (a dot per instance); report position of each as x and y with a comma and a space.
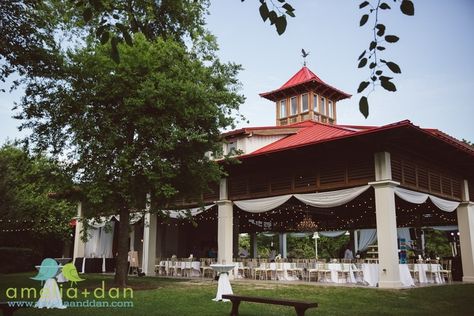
304, 54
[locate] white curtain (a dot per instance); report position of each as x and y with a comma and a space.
419, 198
335, 233
331, 198
92, 243
106, 239
299, 235
183, 213
263, 204
404, 233
134, 217
321, 199
366, 238
445, 228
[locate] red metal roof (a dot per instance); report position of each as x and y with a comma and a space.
312, 133
302, 77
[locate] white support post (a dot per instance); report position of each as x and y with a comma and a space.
224, 226
79, 245
132, 238
149, 242
465, 214
389, 271
283, 247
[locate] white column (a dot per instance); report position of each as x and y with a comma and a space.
224, 225
389, 272
79, 245
283, 247
132, 238
465, 214
149, 242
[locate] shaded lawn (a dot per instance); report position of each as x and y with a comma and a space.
156, 296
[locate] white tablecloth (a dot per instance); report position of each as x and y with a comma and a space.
335, 267
194, 265
371, 274
422, 268
50, 296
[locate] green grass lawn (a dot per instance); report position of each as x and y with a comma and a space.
156, 296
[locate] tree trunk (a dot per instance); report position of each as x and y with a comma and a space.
121, 271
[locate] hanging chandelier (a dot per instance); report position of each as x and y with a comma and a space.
307, 224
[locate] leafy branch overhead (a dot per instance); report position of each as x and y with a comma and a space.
380, 70
277, 14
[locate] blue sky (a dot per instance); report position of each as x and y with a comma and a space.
435, 52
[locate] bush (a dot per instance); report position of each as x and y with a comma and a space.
18, 259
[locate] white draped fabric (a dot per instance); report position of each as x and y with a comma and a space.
106, 238
331, 198
335, 233
320, 199
263, 204
366, 238
92, 243
299, 235
183, 213
445, 228
404, 233
419, 198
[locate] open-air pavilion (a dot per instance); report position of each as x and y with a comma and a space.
307, 170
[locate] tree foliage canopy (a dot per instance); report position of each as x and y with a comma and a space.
26, 182
140, 126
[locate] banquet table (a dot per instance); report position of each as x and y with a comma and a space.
335, 267
371, 274
422, 268
282, 272
194, 265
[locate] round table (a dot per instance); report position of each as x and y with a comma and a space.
223, 285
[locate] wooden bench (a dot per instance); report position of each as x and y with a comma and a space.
299, 306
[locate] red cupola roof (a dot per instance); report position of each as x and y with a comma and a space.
303, 81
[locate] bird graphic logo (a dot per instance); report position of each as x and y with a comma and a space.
48, 269
71, 274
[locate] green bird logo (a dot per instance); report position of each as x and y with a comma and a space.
71, 274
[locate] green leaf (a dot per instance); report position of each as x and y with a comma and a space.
363, 4
288, 7
290, 13
114, 53
381, 29
364, 19
378, 72
372, 65
362, 62
407, 7
264, 11
362, 86
362, 55
372, 46
392, 38
273, 17
281, 24
384, 6
127, 38
387, 84
87, 14
393, 67
104, 38
380, 48
364, 106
